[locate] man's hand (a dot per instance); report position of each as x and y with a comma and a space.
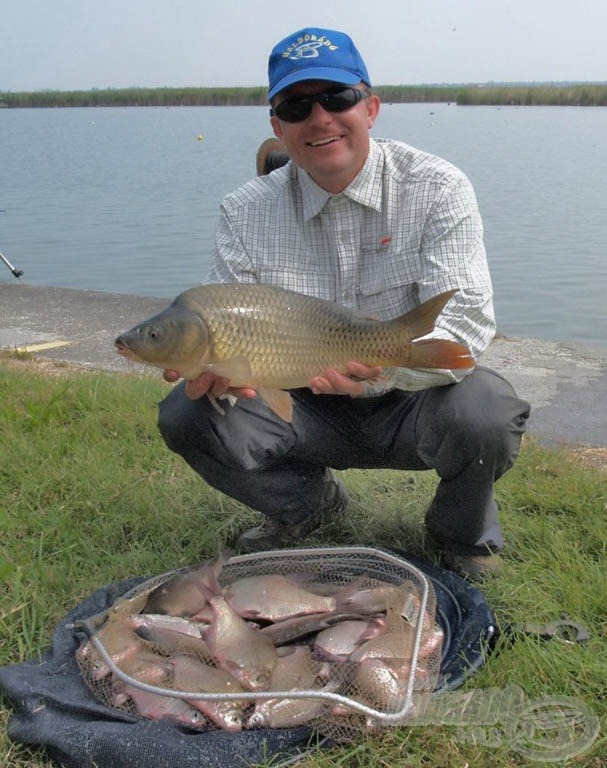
353, 384
208, 384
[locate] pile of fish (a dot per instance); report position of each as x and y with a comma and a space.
260, 634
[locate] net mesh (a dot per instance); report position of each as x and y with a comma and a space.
341, 639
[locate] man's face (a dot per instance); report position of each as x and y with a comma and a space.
331, 146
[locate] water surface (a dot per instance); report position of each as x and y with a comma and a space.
127, 199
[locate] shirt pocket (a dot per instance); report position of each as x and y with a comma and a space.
388, 278
311, 282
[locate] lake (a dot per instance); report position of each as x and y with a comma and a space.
127, 199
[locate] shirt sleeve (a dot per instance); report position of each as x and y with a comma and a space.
231, 262
412, 379
452, 255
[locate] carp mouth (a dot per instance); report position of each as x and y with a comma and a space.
124, 350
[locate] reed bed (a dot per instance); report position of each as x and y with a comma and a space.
526, 94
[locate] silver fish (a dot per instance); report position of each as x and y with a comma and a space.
120, 642
295, 668
372, 600
288, 630
164, 622
338, 642
157, 707
382, 665
238, 648
189, 674
286, 713
272, 339
382, 682
289, 712
395, 641
147, 667
432, 639
273, 597
169, 641
185, 594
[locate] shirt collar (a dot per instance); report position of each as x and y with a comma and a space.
365, 189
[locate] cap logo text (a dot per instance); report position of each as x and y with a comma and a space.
307, 47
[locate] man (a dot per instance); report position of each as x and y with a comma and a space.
379, 226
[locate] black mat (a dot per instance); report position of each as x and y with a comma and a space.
54, 708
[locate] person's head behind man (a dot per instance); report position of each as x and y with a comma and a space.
322, 105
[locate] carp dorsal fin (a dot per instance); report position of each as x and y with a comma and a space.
278, 401
421, 320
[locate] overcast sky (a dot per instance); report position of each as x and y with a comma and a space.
83, 44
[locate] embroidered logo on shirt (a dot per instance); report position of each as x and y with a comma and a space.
385, 241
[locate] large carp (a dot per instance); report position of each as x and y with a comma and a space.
272, 339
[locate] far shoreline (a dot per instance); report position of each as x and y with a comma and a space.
572, 94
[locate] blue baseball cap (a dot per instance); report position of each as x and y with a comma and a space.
315, 54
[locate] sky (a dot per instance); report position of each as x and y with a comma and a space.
84, 44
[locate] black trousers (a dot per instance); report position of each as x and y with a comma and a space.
469, 432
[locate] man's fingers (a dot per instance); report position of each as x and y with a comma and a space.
334, 383
245, 392
362, 371
170, 376
201, 385
208, 383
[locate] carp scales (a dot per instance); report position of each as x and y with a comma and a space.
271, 339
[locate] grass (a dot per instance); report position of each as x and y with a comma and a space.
90, 495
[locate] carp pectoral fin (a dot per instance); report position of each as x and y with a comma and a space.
236, 369
279, 401
215, 404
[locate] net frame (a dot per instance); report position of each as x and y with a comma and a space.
336, 566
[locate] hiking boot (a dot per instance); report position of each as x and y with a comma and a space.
473, 567
272, 534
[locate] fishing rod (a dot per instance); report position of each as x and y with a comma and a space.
14, 270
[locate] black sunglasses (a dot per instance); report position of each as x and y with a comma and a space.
300, 107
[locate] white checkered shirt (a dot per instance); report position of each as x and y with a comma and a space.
406, 229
